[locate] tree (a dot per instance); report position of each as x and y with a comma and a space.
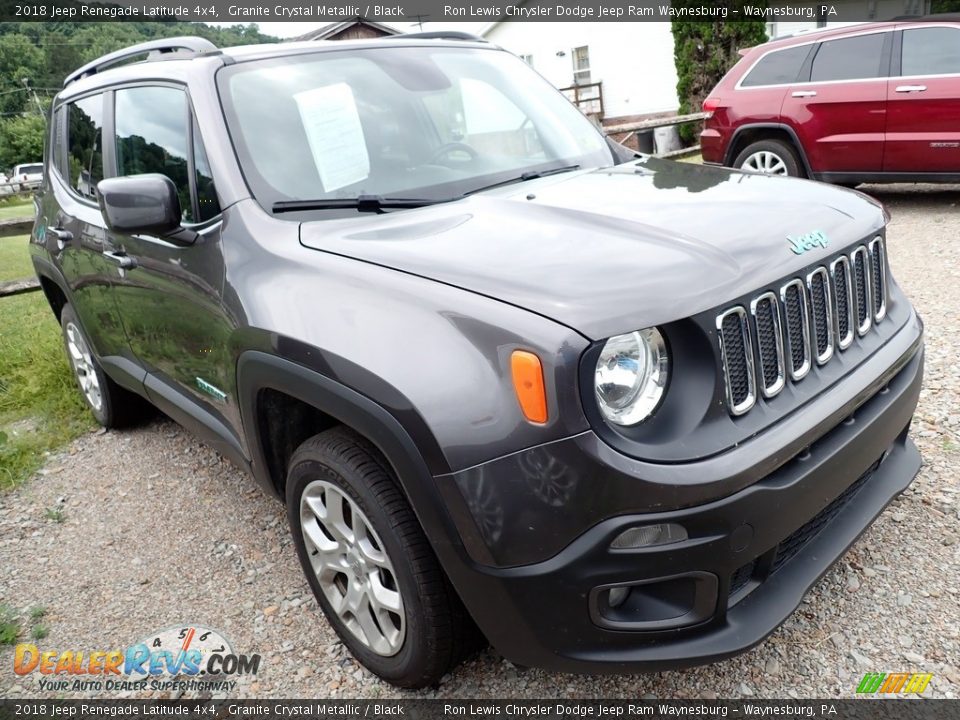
704, 51
944, 6
21, 140
19, 58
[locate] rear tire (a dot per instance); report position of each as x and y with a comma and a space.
370, 565
770, 157
112, 406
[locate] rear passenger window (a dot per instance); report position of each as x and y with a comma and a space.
85, 145
931, 51
153, 136
777, 68
853, 58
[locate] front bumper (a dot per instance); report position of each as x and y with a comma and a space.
749, 559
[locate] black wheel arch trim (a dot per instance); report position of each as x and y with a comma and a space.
794, 138
258, 370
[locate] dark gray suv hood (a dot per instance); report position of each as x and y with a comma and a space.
609, 251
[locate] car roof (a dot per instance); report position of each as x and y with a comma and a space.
831, 33
181, 66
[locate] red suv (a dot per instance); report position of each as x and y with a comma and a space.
876, 102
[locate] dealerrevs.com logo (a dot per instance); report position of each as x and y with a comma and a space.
188, 657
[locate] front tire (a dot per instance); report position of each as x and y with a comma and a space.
770, 157
369, 564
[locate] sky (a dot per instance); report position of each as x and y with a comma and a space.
292, 29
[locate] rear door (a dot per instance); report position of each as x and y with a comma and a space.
923, 101
839, 110
72, 228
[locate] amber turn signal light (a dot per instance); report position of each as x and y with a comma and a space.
528, 384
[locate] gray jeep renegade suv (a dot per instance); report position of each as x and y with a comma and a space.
514, 383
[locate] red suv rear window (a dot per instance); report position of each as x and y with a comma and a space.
779, 67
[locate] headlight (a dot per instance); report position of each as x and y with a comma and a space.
631, 375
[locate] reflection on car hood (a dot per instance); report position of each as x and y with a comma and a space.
608, 251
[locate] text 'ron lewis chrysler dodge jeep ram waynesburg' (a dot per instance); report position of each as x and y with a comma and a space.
515, 383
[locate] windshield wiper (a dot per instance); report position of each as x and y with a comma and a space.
523, 177
361, 203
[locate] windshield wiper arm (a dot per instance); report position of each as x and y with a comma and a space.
361, 203
523, 177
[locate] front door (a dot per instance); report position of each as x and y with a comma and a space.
923, 101
170, 295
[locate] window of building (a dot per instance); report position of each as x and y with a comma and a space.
581, 65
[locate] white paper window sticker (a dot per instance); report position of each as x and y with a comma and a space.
332, 125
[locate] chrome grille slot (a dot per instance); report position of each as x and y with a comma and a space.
860, 267
796, 329
821, 314
878, 263
737, 354
843, 294
766, 320
804, 324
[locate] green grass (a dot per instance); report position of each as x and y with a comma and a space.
40, 406
14, 259
9, 626
16, 209
38, 612
39, 632
56, 515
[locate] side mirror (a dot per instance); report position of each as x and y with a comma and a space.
140, 204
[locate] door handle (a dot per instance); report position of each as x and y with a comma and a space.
62, 236
120, 259
804, 93
911, 88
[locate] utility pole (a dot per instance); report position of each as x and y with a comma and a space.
26, 84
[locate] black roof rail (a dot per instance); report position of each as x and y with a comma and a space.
155, 48
437, 35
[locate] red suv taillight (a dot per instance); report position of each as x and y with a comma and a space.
711, 104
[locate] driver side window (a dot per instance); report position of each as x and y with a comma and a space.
153, 132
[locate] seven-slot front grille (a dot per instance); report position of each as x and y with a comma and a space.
805, 322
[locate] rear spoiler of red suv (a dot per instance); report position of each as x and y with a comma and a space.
742, 52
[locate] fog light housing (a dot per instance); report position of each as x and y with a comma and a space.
655, 604
649, 536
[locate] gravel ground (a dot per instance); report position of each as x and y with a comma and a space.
157, 530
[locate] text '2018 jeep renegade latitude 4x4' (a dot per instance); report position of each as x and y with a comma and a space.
514, 383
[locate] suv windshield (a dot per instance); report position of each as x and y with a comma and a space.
414, 123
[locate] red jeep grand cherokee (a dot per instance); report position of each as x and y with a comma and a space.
876, 102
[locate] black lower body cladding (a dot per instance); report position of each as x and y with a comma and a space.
747, 560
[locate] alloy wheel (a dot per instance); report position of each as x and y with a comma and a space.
353, 569
83, 366
766, 162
